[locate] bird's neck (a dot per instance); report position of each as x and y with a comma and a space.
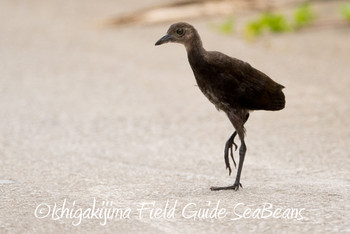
195, 50
195, 44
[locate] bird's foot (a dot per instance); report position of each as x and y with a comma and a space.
229, 150
235, 187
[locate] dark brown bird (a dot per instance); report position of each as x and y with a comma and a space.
232, 85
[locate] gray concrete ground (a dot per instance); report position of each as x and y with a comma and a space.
91, 115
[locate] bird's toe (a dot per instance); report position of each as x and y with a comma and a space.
232, 187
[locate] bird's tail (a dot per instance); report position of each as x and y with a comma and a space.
278, 101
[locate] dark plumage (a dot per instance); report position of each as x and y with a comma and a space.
232, 85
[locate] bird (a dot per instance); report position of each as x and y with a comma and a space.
232, 85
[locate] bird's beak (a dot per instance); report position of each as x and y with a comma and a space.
167, 38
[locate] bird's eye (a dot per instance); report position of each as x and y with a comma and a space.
180, 31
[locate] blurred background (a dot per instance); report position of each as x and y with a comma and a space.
90, 108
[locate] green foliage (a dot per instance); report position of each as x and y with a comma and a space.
274, 22
228, 26
345, 11
303, 16
253, 29
278, 23
266, 22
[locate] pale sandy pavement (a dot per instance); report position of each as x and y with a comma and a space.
89, 113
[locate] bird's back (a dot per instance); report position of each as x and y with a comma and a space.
231, 83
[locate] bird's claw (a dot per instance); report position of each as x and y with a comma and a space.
233, 142
229, 169
235, 187
227, 162
229, 150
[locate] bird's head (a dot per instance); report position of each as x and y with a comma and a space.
182, 33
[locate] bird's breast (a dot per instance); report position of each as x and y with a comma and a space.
206, 82
213, 97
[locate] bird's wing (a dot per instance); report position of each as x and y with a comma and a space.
239, 83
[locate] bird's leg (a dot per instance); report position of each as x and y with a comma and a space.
242, 151
238, 124
228, 147
237, 184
